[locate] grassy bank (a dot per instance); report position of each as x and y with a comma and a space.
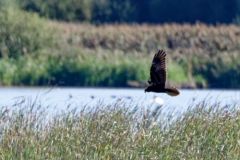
35, 51
116, 132
82, 70
207, 54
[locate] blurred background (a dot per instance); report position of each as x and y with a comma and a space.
110, 43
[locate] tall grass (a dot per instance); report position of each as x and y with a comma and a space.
118, 132
178, 38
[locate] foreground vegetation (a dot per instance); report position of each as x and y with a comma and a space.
35, 51
119, 131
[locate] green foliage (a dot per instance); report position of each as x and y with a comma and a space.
177, 74
219, 73
23, 71
90, 71
112, 11
117, 132
22, 33
191, 11
200, 80
8, 3
141, 11
62, 10
199, 55
8, 69
72, 70
118, 52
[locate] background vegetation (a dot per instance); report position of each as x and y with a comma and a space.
38, 51
142, 11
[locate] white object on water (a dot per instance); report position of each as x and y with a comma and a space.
158, 100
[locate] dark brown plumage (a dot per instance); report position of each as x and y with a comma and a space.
158, 76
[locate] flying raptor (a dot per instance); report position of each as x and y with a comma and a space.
158, 76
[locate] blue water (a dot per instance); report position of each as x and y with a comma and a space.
59, 99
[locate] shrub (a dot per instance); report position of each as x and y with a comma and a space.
22, 33
113, 11
71, 70
92, 71
61, 10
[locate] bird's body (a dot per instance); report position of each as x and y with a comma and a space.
158, 76
155, 88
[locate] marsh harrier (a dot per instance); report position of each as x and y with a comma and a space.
158, 76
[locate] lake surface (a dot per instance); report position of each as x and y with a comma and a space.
57, 99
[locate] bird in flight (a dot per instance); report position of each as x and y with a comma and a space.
158, 76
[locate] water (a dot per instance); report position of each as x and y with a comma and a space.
58, 99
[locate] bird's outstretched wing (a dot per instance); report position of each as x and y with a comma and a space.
158, 69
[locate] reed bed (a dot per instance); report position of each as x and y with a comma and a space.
206, 54
198, 39
119, 131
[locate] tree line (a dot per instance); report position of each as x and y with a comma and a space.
136, 11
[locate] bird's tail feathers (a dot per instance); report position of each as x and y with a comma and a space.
172, 91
